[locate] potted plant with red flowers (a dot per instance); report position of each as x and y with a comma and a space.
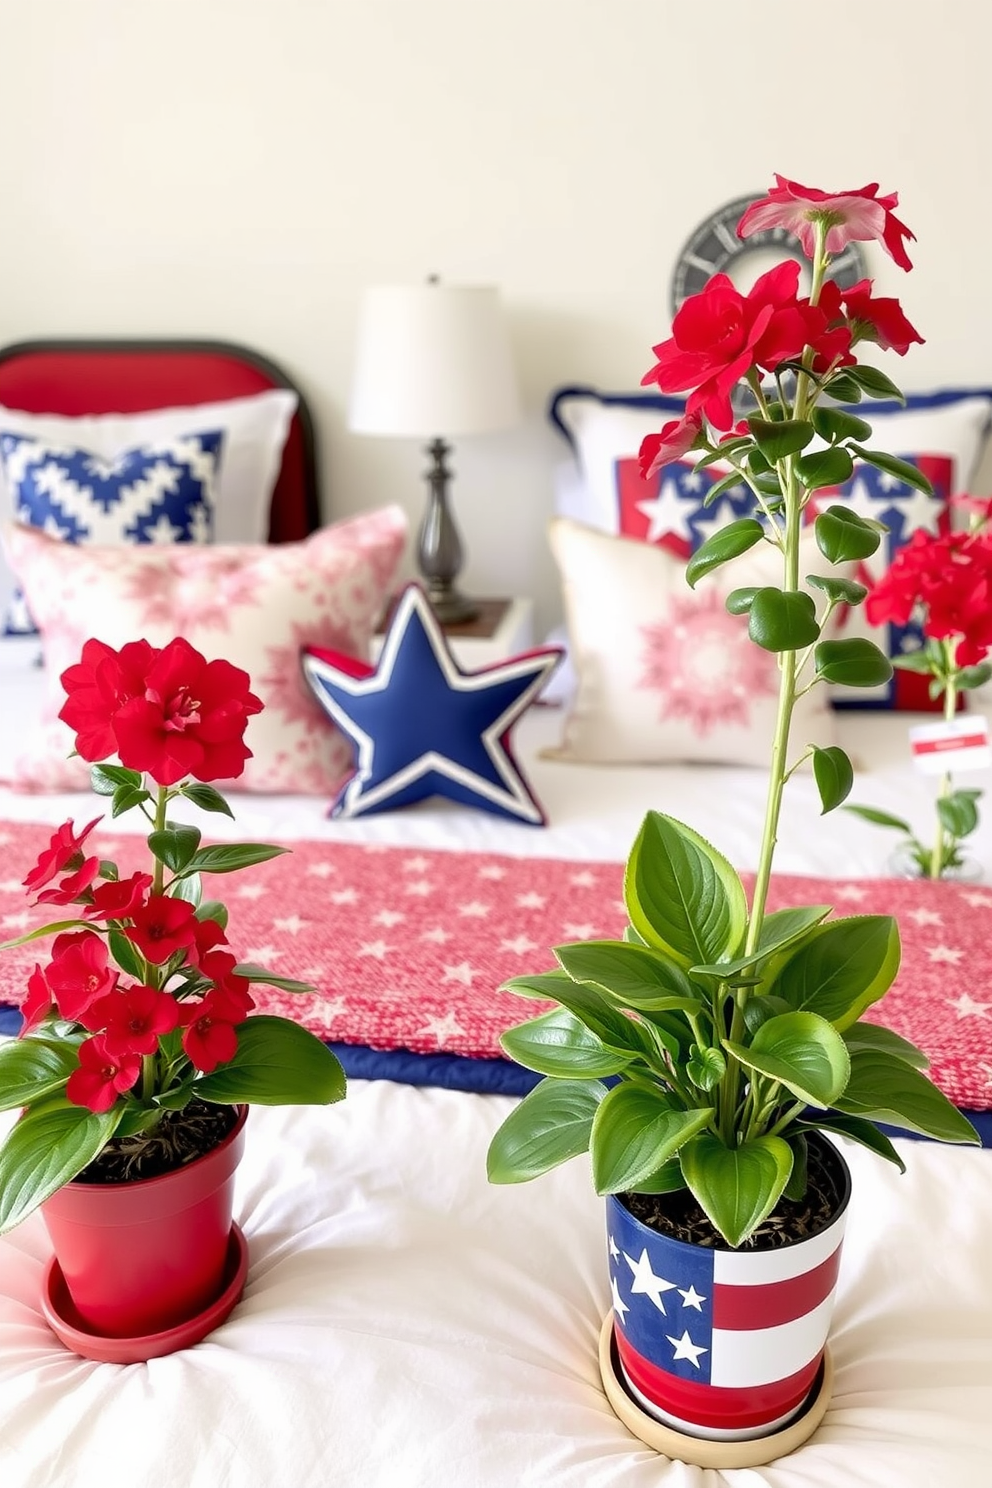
706, 1060
139, 1053
945, 581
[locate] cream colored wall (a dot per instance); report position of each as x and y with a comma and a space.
242, 168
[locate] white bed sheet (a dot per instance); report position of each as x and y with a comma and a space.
406, 1324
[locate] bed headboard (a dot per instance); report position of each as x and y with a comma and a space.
77, 377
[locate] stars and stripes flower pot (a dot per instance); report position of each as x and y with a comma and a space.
718, 1343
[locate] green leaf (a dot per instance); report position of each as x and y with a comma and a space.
974, 676
634, 1132
557, 1043
841, 969
843, 388
728, 483
542, 985
683, 896
212, 909
857, 1130
550, 1125
277, 1063
881, 818
914, 661
706, 1067
834, 776
875, 1036
835, 425
32, 1067
958, 813
874, 382
126, 954
253, 973
737, 1188
668, 1179
799, 1177
44, 1151
778, 930
782, 620
901, 469
829, 467
803, 1052
189, 888
885, 1088
854, 663
631, 1036
844, 537
175, 845
635, 975
206, 798
228, 857
739, 601
777, 440
104, 779
760, 1007
55, 928
838, 591
726, 543
126, 796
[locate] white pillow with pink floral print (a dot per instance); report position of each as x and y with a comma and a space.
664, 673
255, 606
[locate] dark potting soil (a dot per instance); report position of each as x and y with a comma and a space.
177, 1139
680, 1217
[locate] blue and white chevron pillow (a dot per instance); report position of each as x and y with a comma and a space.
161, 492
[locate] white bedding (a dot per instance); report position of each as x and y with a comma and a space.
405, 1324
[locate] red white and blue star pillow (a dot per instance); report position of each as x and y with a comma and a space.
422, 726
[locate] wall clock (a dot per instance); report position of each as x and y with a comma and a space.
715, 248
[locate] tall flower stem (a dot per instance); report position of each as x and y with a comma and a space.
937, 859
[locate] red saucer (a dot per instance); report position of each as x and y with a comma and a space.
65, 1323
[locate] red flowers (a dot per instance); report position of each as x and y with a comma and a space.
168, 713
850, 216
64, 851
950, 579
102, 1075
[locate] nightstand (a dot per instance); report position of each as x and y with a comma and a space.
502, 628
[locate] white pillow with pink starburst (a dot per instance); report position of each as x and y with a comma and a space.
664, 672
255, 606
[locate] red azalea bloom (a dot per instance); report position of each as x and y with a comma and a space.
675, 440
102, 1076
210, 1038
134, 1017
38, 1003
79, 973
59, 854
119, 899
208, 934
219, 967
715, 336
70, 888
950, 579
878, 319
96, 687
190, 718
851, 216
162, 926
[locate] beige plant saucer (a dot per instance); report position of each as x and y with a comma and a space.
696, 1449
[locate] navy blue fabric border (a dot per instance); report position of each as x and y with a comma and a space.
474, 1076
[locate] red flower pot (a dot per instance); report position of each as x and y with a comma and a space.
139, 1258
723, 1344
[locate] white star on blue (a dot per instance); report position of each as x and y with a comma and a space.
422, 726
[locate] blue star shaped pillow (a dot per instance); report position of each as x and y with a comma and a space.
422, 726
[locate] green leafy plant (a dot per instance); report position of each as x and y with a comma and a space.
141, 1018
729, 1034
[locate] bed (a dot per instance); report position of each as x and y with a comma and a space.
403, 1321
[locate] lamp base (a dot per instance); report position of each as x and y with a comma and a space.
450, 607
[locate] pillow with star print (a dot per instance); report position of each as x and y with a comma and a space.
421, 726
664, 673
941, 433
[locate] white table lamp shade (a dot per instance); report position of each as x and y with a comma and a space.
433, 360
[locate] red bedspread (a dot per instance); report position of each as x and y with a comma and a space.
407, 947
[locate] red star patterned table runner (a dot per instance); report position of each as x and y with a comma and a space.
406, 947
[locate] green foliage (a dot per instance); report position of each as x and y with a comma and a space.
782, 620
726, 543
277, 1063
47, 1147
834, 776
